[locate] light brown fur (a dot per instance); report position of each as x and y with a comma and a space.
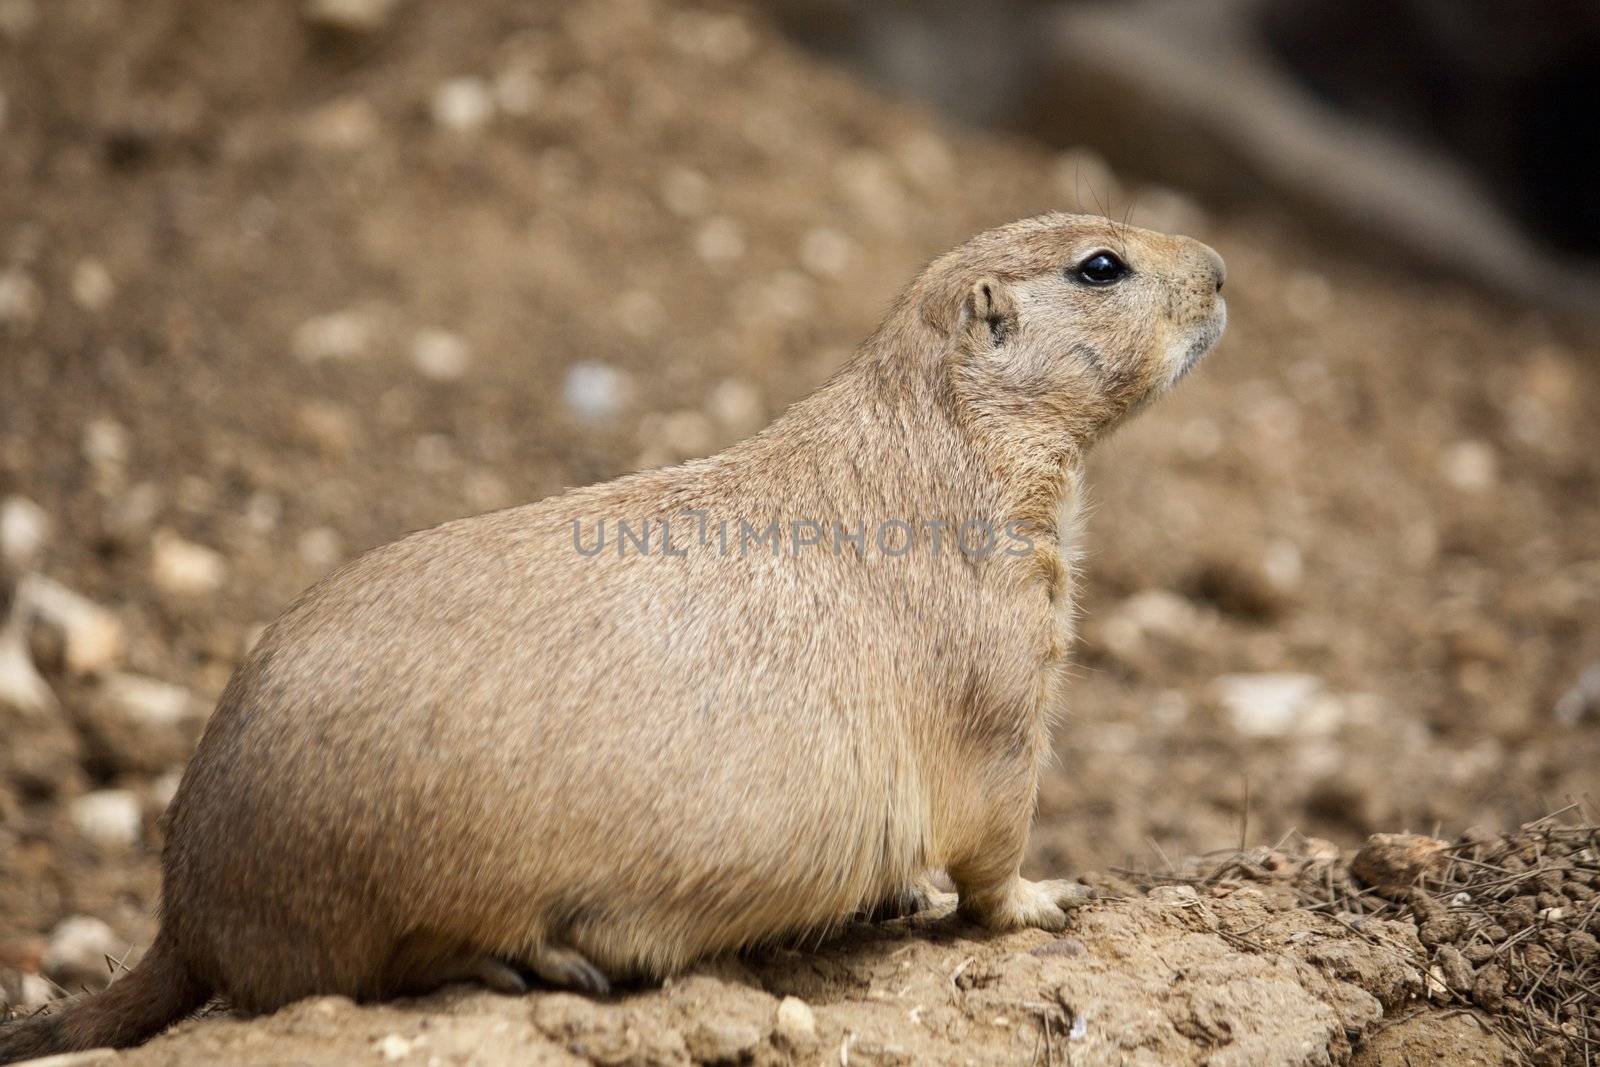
478, 744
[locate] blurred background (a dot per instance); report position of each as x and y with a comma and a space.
283, 280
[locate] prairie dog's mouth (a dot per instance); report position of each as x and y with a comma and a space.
1206, 336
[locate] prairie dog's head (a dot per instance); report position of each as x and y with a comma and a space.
1072, 321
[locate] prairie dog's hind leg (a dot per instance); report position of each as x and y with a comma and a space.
569, 969
417, 970
913, 898
987, 870
1017, 903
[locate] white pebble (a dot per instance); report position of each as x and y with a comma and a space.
1283, 564
351, 16
183, 568
92, 287
147, 701
106, 444
1173, 894
34, 991
91, 636
110, 818
393, 1047
337, 335
21, 686
1268, 705
78, 948
164, 788
596, 390
24, 528
795, 1022
1470, 466
462, 104
440, 355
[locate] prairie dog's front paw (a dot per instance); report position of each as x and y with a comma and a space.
1023, 904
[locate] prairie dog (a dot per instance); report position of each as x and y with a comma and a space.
494, 750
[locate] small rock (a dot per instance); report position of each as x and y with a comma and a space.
1470, 466
722, 1040
596, 390
1441, 930
140, 725
92, 287
131, 515
21, 686
1456, 970
393, 1047
1283, 566
32, 991
183, 568
440, 355
1173, 894
163, 789
463, 105
1268, 705
78, 948
24, 529
334, 336
1583, 947
1489, 987
349, 16
1320, 850
795, 1024
90, 637
1393, 862
106, 445
110, 818
1582, 701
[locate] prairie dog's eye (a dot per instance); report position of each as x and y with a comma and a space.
1101, 268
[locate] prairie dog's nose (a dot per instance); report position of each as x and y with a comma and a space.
1219, 269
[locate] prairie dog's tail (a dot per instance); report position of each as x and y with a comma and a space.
158, 991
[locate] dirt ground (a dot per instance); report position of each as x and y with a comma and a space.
274, 291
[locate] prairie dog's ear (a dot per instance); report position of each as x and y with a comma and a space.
990, 308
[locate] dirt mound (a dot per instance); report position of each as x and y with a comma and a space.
1161, 980
274, 290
